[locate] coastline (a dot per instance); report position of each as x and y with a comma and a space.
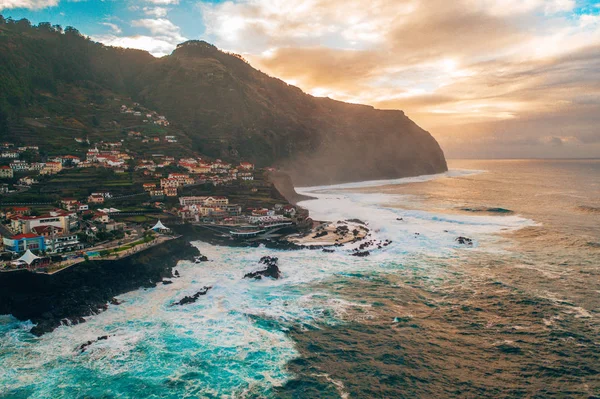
50, 300
357, 319
87, 287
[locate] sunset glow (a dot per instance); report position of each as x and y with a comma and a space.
457, 68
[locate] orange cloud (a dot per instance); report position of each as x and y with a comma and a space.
459, 68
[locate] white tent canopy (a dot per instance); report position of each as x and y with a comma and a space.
28, 257
159, 226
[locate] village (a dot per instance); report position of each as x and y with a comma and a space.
148, 193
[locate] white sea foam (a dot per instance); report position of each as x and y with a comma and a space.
388, 182
233, 340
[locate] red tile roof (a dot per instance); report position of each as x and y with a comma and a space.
27, 235
47, 229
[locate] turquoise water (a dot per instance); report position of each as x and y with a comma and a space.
256, 338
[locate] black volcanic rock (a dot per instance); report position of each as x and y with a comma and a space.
85, 289
192, 298
83, 347
464, 240
272, 269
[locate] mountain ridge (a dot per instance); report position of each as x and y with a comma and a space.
222, 105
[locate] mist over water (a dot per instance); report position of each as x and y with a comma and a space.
515, 315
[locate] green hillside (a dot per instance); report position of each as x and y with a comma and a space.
56, 85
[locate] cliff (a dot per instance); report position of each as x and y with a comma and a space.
217, 103
232, 108
285, 187
86, 288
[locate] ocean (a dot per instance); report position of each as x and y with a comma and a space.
516, 314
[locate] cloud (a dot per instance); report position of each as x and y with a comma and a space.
163, 2
159, 27
163, 36
114, 28
158, 12
153, 45
30, 4
462, 68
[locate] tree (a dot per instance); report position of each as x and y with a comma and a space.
23, 25
69, 30
45, 27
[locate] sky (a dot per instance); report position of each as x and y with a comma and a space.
488, 78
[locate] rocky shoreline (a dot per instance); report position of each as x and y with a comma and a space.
88, 288
199, 233
67, 297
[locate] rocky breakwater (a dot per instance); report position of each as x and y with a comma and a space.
86, 288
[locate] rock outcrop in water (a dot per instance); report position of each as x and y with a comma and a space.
86, 288
192, 298
85, 346
272, 269
464, 241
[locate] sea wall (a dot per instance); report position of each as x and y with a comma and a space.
86, 288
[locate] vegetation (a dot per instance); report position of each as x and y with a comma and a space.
56, 84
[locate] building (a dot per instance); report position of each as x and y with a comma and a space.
101, 217
9, 155
104, 194
149, 186
246, 166
176, 180
169, 183
96, 199
71, 158
69, 204
242, 175
170, 191
25, 224
219, 165
53, 167
62, 243
27, 181
21, 210
269, 220
157, 194
47, 231
19, 166
6, 172
206, 201
23, 242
